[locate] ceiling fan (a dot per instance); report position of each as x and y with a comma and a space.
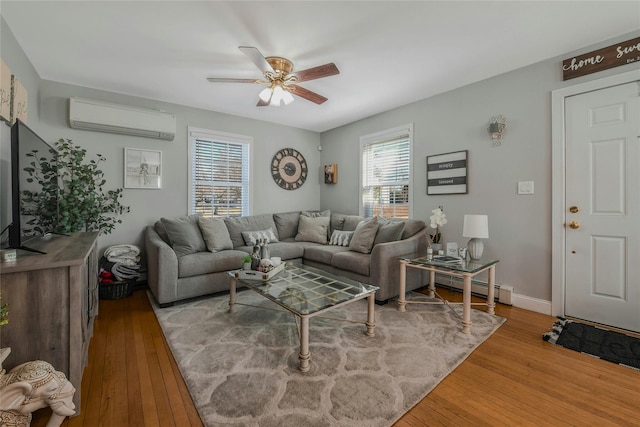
279, 75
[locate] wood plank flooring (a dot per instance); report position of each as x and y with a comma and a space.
513, 378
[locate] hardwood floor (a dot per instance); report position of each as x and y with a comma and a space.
513, 378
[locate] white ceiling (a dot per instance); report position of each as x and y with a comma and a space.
389, 53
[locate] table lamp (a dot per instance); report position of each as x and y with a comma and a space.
476, 227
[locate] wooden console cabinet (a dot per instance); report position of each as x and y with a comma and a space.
53, 300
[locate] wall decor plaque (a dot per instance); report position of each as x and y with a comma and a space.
602, 59
447, 173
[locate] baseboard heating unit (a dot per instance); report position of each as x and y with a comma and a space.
503, 293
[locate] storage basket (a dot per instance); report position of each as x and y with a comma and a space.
116, 290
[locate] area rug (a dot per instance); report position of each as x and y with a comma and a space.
242, 368
602, 343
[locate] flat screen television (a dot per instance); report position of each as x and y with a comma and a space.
28, 180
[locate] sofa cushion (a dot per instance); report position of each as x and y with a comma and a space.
389, 230
364, 236
237, 225
351, 222
184, 235
251, 237
287, 224
337, 221
313, 229
411, 227
341, 238
200, 263
162, 232
352, 261
215, 234
322, 253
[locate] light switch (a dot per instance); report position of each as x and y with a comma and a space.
525, 187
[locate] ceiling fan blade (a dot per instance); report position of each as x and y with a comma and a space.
307, 94
257, 58
262, 103
318, 72
231, 80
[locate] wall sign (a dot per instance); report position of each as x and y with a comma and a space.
447, 173
602, 59
5, 92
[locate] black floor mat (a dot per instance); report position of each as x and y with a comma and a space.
604, 344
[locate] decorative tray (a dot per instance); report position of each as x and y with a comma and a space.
258, 275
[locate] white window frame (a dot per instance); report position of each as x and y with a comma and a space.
223, 137
384, 136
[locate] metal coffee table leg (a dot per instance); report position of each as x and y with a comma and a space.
304, 354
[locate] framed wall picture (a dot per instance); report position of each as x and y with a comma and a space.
331, 174
20, 101
142, 168
5, 92
447, 173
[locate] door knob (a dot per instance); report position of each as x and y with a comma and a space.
573, 209
574, 225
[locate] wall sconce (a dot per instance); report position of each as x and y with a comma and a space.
497, 125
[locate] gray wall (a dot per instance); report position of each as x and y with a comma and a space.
519, 225
48, 116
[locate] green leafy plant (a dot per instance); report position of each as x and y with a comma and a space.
246, 259
4, 313
83, 202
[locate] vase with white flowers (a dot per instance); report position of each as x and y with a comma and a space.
438, 219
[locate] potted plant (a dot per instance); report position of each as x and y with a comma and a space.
246, 263
438, 219
83, 202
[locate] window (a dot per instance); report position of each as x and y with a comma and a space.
386, 173
219, 166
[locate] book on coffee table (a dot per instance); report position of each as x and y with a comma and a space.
446, 259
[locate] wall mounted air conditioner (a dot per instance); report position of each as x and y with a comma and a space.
101, 116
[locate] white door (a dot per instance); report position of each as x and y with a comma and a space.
602, 281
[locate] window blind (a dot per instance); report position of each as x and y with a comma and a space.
219, 178
386, 177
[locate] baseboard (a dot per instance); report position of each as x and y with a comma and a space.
532, 304
503, 293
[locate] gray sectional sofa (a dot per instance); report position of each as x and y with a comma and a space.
190, 256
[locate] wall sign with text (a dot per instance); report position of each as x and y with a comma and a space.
447, 173
602, 59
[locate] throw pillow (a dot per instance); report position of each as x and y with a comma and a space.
389, 230
215, 234
317, 214
340, 238
287, 224
364, 235
313, 229
251, 237
184, 235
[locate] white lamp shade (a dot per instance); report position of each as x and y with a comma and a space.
476, 226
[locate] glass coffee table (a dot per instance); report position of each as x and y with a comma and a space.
307, 292
466, 269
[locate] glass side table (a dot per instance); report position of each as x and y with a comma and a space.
466, 269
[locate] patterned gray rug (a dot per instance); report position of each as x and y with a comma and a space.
242, 368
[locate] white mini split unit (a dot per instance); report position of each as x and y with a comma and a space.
101, 116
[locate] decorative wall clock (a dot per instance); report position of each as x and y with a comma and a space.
289, 169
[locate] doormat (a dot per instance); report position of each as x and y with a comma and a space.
601, 343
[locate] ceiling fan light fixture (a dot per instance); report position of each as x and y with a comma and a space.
287, 97
265, 95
